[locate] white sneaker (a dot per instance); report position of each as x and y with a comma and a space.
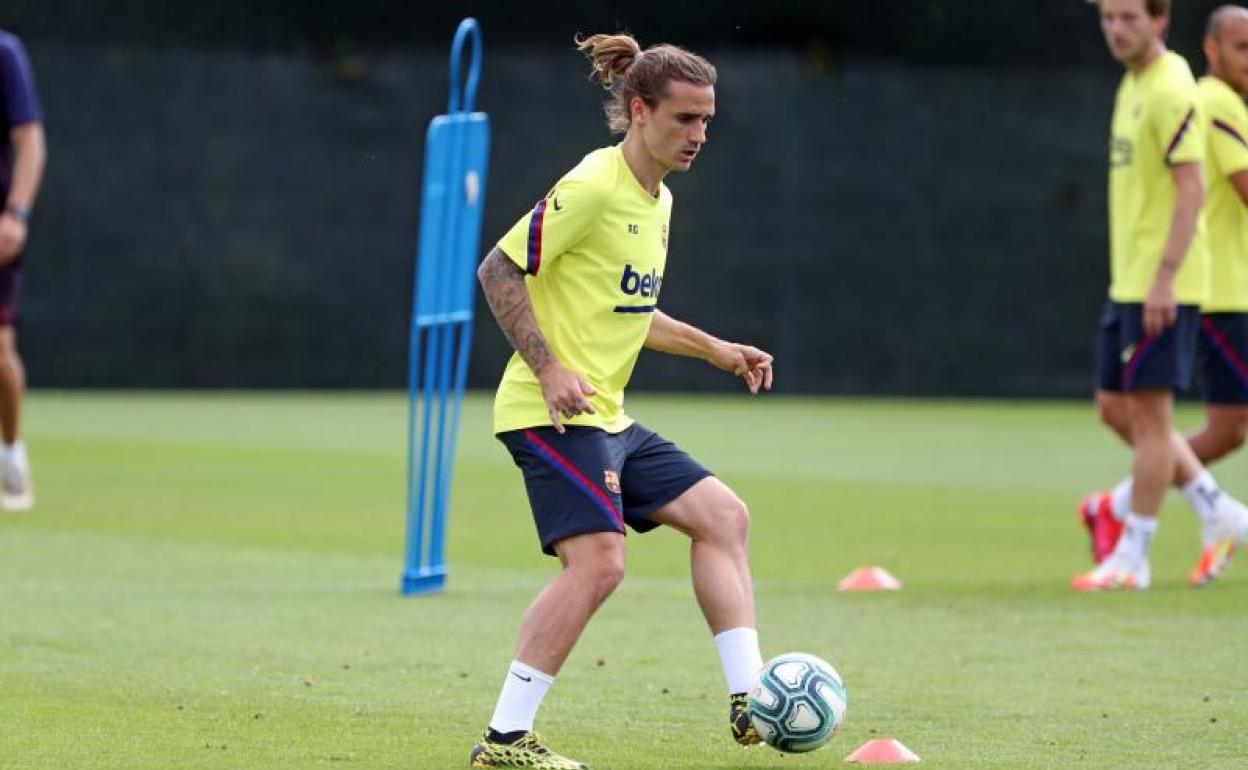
1230, 522
1114, 574
1221, 538
17, 490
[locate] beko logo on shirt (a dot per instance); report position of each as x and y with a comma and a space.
647, 284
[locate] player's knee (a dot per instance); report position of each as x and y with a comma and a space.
726, 523
1112, 416
603, 570
722, 519
1145, 426
735, 521
1149, 418
1235, 432
10, 365
608, 575
1149, 433
8, 343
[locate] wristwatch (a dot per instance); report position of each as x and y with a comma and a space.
18, 212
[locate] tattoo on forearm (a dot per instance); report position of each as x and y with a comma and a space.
502, 281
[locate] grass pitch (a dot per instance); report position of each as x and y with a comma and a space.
209, 581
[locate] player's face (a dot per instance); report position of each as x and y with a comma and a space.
1230, 53
675, 130
1129, 31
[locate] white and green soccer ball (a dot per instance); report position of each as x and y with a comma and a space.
798, 703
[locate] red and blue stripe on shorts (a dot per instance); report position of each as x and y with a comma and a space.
573, 474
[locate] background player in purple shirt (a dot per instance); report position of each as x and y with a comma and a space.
22, 156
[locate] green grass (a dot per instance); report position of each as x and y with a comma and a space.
209, 581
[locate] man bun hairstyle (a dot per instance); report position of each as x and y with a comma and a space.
626, 71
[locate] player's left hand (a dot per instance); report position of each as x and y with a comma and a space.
747, 362
12, 237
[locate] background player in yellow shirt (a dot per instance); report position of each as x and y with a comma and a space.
1223, 339
1158, 272
575, 287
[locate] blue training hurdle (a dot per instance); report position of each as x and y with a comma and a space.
453, 196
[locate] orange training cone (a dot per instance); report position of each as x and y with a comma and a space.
882, 751
869, 579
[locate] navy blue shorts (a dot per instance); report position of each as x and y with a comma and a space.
1224, 357
1127, 359
588, 480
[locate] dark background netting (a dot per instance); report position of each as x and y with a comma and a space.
899, 196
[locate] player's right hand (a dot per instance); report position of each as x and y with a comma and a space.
12, 237
566, 393
1161, 307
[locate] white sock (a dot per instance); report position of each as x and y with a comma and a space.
1203, 493
15, 453
740, 657
1138, 533
1121, 498
523, 690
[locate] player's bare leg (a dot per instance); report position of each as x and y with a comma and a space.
593, 566
16, 492
1223, 432
1223, 519
1224, 526
1113, 409
1156, 452
1096, 510
1153, 469
718, 524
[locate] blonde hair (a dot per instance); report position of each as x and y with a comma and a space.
626, 71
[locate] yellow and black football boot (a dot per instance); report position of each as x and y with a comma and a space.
743, 731
525, 751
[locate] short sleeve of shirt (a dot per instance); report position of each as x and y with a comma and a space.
555, 225
20, 100
1228, 141
1175, 118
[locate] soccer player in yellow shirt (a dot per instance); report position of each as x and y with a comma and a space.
1223, 336
1224, 323
575, 286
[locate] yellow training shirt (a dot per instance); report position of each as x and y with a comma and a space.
1226, 216
594, 249
1158, 123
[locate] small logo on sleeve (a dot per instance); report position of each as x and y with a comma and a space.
1120, 152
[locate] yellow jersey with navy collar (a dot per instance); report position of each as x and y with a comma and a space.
594, 250
1158, 123
1226, 216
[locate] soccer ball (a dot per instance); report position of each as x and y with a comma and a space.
798, 703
